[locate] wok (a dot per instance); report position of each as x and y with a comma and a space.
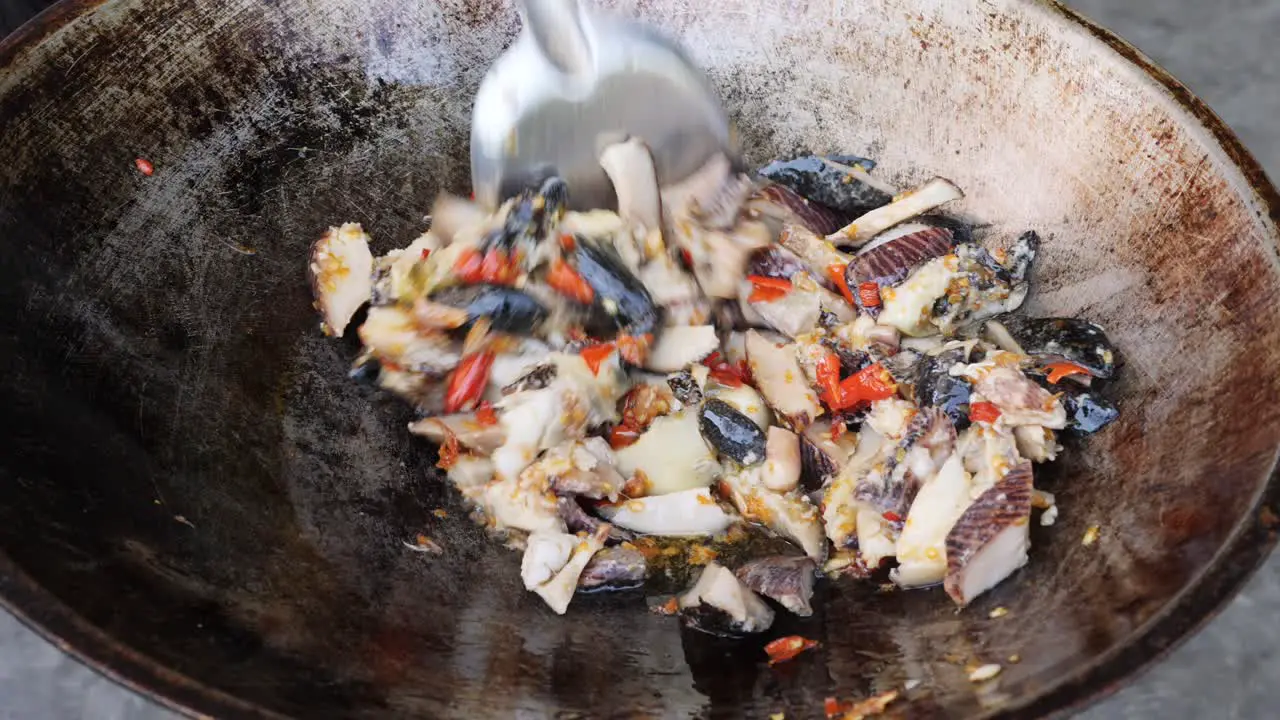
194, 500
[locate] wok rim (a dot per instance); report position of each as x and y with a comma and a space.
1201, 600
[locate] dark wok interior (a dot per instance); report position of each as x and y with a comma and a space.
194, 497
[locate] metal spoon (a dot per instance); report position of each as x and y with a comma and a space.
575, 82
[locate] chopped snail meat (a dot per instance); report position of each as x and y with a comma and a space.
535, 420
471, 432
511, 504
910, 204
470, 475
679, 347
1037, 444
395, 274
559, 590
545, 554
576, 467
578, 520
779, 204
614, 568
814, 249
787, 581
782, 463
341, 275
671, 455
908, 306
784, 385
922, 547
687, 513
789, 514
720, 604
1020, 400
840, 514
822, 454
451, 215
393, 335
991, 538
629, 166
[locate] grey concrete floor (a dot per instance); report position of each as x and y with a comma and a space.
1225, 52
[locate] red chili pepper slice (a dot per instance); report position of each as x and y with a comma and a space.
836, 271
984, 412
595, 355
426, 252
786, 648
469, 266
485, 415
496, 269
891, 516
828, 372
833, 707
868, 385
725, 373
623, 435
767, 289
467, 382
869, 294
144, 166
565, 280
838, 429
1061, 370
447, 456
634, 348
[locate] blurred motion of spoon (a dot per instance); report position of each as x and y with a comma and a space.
575, 82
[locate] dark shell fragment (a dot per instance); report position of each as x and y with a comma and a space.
890, 263
851, 361
775, 262
828, 182
532, 215
618, 292
535, 379
788, 206
366, 371
731, 433
508, 310
685, 387
577, 519
1071, 339
936, 387
816, 466
614, 568
1087, 412
786, 580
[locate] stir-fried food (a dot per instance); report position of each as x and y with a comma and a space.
812, 355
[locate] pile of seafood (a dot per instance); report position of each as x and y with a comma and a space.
807, 354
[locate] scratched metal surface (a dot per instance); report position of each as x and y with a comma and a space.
185, 284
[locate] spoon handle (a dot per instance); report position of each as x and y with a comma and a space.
559, 29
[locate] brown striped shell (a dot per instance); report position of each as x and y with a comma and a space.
1004, 507
890, 263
